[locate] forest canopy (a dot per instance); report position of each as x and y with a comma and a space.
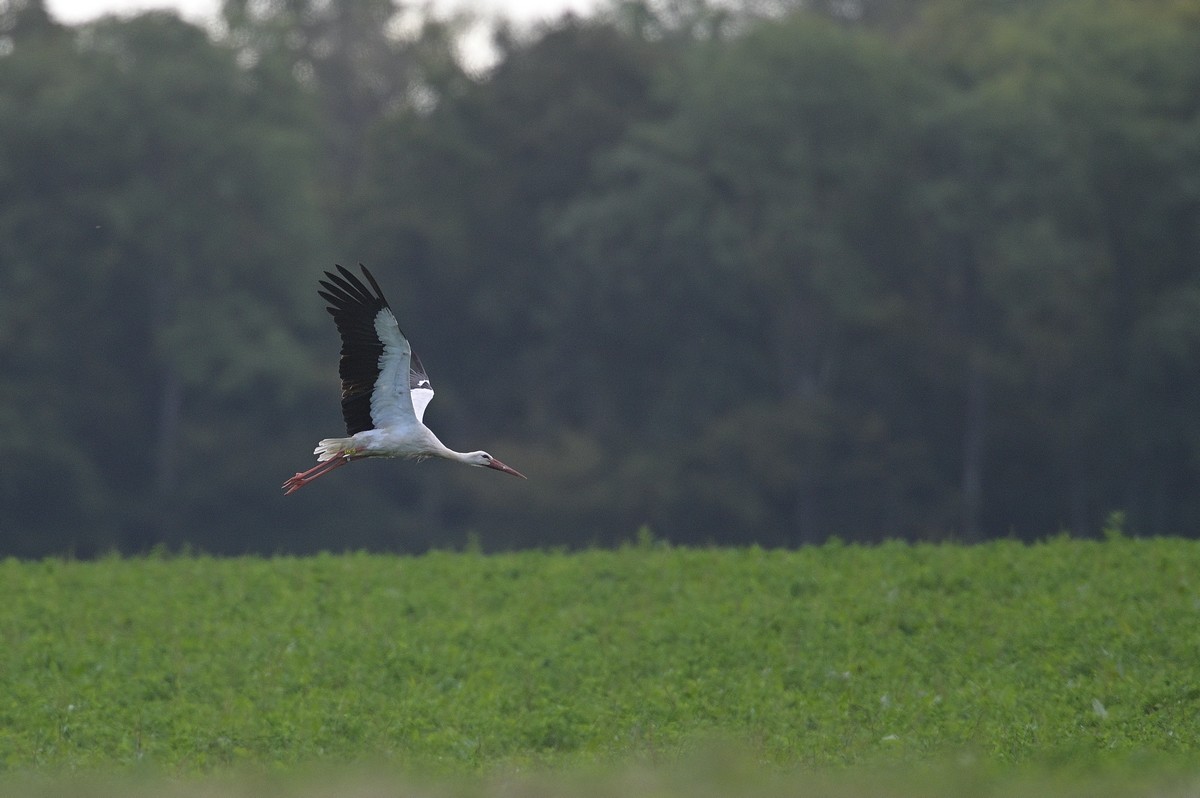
731, 273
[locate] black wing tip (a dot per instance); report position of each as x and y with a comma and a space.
371, 279
346, 290
346, 285
349, 275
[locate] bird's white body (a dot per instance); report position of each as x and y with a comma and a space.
384, 388
414, 442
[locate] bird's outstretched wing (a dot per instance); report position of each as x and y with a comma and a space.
419, 386
383, 381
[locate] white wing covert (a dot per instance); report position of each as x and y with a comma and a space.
377, 364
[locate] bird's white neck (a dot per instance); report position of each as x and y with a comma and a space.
462, 457
439, 449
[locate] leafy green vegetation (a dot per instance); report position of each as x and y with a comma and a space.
919, 269
824, 659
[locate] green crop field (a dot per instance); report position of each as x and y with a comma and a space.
643, 666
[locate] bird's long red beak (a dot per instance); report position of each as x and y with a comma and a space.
496, 464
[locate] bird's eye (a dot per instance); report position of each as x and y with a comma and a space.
487, 456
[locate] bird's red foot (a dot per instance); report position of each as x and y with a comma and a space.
302, 478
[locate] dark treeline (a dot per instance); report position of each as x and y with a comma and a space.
763, 273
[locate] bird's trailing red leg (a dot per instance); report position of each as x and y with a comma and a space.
319, 470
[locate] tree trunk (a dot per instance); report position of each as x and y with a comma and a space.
164, 453
166, 439
973, 448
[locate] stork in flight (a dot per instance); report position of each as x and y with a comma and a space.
384, 387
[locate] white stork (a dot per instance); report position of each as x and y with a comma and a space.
384, 387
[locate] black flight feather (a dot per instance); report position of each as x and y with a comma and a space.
354, 309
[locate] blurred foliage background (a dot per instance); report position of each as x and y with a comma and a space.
750, 271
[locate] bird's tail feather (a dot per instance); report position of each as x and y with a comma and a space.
331, 448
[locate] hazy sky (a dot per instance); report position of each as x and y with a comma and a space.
519, 10
476, 45
80, 10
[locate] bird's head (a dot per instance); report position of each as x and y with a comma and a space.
485, 460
